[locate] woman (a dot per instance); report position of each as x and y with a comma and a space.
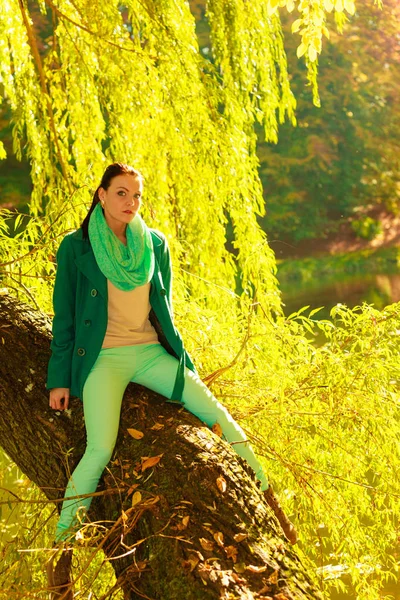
113, 324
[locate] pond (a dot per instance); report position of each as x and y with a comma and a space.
352, 290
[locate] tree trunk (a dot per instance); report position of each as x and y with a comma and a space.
193, 525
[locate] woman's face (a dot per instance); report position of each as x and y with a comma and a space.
122, 200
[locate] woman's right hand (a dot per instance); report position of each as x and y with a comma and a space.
57, 395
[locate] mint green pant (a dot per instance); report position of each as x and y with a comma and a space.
152, 366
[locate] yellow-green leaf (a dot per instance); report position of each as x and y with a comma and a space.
290, 6
296, 25
312, 54
301, 50
350, 6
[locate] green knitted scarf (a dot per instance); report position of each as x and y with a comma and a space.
127, 267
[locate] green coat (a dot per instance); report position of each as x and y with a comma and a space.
80, 300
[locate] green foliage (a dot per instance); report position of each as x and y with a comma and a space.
27, 524
343, 155
366, 228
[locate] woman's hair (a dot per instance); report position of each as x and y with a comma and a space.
112, 171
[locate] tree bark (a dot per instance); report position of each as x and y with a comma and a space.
192, 526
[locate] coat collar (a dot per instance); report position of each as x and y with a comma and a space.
86, 262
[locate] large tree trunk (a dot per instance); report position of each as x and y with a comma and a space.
200, 528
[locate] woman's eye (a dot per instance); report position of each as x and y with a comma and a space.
121, 193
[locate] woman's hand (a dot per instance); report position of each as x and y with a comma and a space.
56, 397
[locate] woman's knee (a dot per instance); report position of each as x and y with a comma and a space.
99, 455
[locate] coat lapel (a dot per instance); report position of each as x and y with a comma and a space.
87, 264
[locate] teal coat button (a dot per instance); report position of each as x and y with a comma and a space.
81, 351
93, 292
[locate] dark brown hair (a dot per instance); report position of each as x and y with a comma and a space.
112, 171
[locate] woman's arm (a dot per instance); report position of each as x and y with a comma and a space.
63, 328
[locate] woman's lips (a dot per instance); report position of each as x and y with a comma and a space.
130, 212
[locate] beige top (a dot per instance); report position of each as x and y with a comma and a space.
128, 317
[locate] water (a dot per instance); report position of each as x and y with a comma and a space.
377, 289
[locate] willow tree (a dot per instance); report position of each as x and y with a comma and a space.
89, 83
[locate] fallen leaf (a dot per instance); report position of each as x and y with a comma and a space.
191, 563
264, 590
181, 526
240, 567
157, 426
219, 538
153, 500
133, 487
280, 597
273, 578
185, 520
239, 537
148, 462
217, 429
206, 544
225, 579
136, 498
255, 569
221, 484
198, 554
213, 576
236, 578
231, 552
136, 434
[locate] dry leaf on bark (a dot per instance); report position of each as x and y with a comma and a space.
255, 569
136, 498
181, 526
273, 578
157, 426
239, 537
206, 544
221, 484
133, 487
191, 563
137, 435
219, 538
151, 461
231, 552
217, 429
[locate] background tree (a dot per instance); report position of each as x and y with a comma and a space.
342, 159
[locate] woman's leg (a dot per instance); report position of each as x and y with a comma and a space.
102, 396
157, 371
